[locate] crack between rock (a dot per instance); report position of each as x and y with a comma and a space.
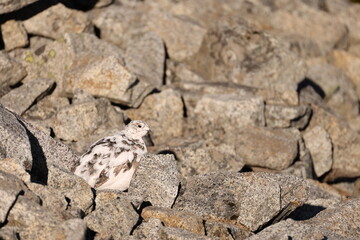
139, 211
177, 195
21, 193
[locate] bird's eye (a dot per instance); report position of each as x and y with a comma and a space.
139, 126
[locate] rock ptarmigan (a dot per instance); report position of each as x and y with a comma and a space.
111, 162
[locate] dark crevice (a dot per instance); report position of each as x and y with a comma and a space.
68, 200
230, 233
16, 85
47, 92
165, 66
308, 82
291, 207
39, 170
11, 207
97, 32
138, 211
90, 234
246, 168
305, 212
204, 225
177, 195
52, 133
185, 115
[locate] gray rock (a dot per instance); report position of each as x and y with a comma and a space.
79, 120
14, 35
46, 107
156, 180
34, 149
7, 6
11, 72
11, 188
350, 18
339, 91
7, 233
182, 37
115, 219
12, 166
233, 51
345, 141
326, 32
127, 21
287, 116
21, 98
75, 189
56, 20
221, 116
225, 231
230, 197
163, 112
145, 57
294, 230
114, 85
153, 229
266, 147
201, 157
318, 141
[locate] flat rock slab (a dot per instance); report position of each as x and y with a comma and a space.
245, 200
11, 72
222, 115
14, 35
156, 180
266, 147
21, 98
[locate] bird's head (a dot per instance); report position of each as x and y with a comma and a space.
137, 129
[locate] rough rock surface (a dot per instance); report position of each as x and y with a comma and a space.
253, 107
156, 181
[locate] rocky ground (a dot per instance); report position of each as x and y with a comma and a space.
254, 108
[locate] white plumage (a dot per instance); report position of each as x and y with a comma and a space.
111, 162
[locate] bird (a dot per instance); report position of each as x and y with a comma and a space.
110, 162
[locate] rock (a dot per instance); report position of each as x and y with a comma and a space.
77, 192
340, 219
229, 197
176, 219
318, 141
201, 157
145, 57
295, 230
156, 181
115, 219
14, 35
287, 116
118, 84
345, 141
349, 64
163, 112
234, 51
86, 121
350, 18
57, 20
117, 23
34, 149
21, 98
339, 91
182, 37
326, 32
7, 233
105, 196
79, 120
12, 5
89, 77
225, 231
46, 108
221, 116
336, 6
12, 166
265, 147
11, 72
11, 188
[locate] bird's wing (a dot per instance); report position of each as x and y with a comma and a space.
103, 157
